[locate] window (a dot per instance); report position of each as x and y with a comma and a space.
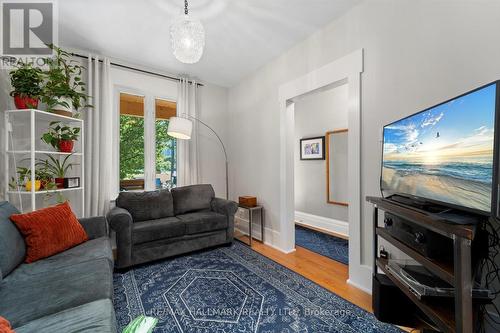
131, 142
138, 171
166, 146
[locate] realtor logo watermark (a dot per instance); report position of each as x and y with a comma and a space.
28, 27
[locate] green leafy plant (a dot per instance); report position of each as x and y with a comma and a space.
55, 167
43, 174
24, 175
63, 79
59, 132
26, 80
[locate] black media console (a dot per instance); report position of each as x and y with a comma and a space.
454, 265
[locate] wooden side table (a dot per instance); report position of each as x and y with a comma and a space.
251, 215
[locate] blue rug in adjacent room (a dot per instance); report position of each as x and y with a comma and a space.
329, 246
234, 289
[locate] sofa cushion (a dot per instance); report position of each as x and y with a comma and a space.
192, 198
147, 231
148, 205
27, 299
5, 326
12, 246
203, 221
99, 248
97, 316
49, 231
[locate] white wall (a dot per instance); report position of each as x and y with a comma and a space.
315, 115
214, 112
417, 53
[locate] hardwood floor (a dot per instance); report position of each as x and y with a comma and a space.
328, 273
324, 271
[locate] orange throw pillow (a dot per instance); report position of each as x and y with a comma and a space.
5, 326
49, 231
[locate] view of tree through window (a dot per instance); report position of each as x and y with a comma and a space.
132, 145
166, 148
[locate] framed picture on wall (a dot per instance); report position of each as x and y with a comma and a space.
312, 148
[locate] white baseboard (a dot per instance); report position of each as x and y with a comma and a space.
325, 223
271, 237
354, 284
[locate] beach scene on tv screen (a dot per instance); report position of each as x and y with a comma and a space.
445, 153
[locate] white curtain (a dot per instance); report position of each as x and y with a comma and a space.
187, 150
98, 138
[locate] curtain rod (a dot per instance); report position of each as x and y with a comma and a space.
139, 70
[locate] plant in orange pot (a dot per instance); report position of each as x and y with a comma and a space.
26, 81
56, 168
61, 137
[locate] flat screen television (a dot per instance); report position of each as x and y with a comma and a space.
446, 154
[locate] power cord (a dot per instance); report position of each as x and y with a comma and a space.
491, 278
9, 128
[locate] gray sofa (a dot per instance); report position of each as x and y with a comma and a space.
68, 292
157, 224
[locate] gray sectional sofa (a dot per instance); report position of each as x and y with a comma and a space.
68, 292
157, 224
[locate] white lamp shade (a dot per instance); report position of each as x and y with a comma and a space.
180, 128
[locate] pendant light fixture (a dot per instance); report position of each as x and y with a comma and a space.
187, 37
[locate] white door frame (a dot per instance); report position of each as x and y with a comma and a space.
346, 70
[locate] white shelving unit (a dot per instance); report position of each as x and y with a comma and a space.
23, 129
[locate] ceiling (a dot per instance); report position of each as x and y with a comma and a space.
241, 35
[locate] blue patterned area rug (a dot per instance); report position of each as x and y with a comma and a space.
329, 246
234, 289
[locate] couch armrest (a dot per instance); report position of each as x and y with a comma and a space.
227, 208
95, 227
121, 221
223, 206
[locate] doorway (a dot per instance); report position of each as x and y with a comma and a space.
320, 172
346, 70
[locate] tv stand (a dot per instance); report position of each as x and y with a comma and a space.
457, 271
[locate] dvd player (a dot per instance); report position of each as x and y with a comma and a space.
423, 283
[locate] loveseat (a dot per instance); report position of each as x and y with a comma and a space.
69, 292
152, 225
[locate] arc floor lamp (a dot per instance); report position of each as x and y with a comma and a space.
181, 128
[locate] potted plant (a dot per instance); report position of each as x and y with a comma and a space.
61, 137
24, 179
43, 180
64, 89
46, 178
26, 81
56, 168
